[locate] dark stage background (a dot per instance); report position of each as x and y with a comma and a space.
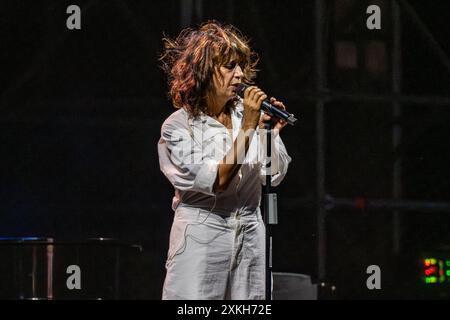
80, 113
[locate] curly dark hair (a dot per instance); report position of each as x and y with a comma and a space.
190, 60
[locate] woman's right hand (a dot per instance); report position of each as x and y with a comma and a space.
253, 97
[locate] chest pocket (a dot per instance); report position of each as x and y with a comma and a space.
213, 141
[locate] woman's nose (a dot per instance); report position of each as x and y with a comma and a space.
238, 72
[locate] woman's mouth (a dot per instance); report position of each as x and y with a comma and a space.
234, 87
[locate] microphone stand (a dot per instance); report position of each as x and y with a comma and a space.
270, 211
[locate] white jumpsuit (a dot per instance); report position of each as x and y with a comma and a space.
217, 240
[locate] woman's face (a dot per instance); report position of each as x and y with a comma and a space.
225, 81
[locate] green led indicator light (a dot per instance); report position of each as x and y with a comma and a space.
447, 263
430, 280
447, 273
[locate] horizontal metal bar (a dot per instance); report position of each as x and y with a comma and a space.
366, 97
404, 205
366, 203
82, 120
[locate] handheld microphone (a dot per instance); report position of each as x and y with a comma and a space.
269, 108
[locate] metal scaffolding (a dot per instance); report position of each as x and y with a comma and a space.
191, 12
323, 202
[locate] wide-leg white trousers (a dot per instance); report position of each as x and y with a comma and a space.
215, 256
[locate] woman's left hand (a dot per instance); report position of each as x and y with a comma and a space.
277, 124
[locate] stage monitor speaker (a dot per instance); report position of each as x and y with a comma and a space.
293, 286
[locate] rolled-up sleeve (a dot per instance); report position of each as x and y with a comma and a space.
182, 161
279, 162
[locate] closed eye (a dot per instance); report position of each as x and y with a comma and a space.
230, 65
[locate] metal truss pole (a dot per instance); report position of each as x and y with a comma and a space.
320, 78
397, 129
191, 11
